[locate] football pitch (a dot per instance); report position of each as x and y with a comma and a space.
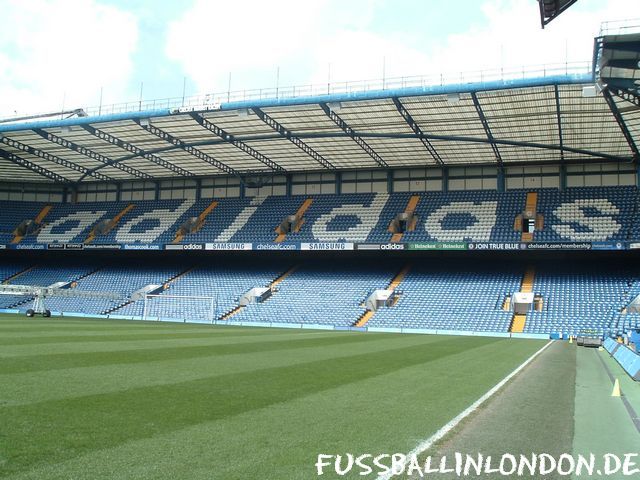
140, 400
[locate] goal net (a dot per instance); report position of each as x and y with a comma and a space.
180, 308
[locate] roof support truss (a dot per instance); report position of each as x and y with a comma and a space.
286, 133
417, 130
559, 118
626, 94
454, 138
353, 135
188, 148
17, 160
138, 152
52, 158
227, 137
90, 153
621, 123
487, 129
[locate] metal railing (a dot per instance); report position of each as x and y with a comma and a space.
350, 87
620, 27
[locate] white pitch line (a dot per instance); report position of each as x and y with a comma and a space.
428, 443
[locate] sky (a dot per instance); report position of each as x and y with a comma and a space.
67, 54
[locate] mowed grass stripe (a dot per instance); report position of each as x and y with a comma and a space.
384, 413
210, 330
163, 350
23, 388
25, 326
141, 336
204, 340
58, 325
58, 430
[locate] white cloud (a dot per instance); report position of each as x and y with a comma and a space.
55, 49
251, 38
512, 37
244, 37
367, 56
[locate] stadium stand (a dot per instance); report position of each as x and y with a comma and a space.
441, 298
572, 215
118, 279
423, 167
224, 282
44, 276
320, 294
587, 214
578, 299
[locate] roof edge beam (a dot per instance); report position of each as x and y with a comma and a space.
297, 141
417, 130
227, 137
344, 126
487, 129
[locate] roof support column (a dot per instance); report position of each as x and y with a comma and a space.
338, 183
563, 177
637, 174
389, 181
289, 187
445, 179
501, 180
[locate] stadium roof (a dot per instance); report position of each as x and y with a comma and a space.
509, 122
550, 9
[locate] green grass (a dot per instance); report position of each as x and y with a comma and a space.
131, 400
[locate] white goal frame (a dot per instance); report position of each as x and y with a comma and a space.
210, 306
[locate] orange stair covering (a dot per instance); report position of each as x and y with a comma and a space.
283, 276
299, 214
527, 281
517, 325
43, 213
506, 306
16, 275
200, 222
231, 313
397, 280
274, 283
38, 220
366, 316
411, 207
113, 223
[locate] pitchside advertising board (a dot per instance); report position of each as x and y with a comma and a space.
335, 246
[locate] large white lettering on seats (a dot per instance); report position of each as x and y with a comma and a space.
367, 215
241, 220
600, 227
166, 217
78, 221
484, 214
